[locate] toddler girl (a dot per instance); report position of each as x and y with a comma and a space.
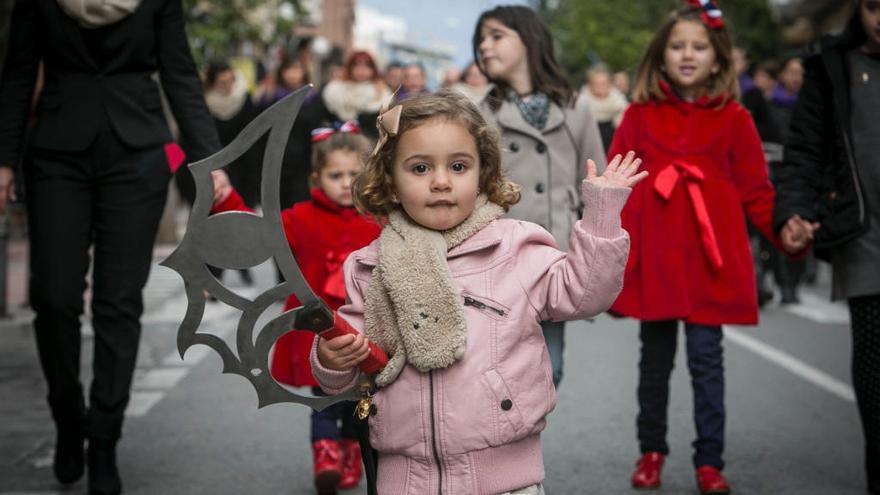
456, 294
322, 232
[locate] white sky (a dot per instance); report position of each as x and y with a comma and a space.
439, 22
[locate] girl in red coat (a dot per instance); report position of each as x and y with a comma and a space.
321, 233
690, 258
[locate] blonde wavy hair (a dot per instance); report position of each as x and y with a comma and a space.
374, 187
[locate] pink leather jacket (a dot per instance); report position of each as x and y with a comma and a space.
474, 427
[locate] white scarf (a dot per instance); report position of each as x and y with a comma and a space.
225, 107
97, 13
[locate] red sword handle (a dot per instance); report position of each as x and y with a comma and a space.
376, 360
318, 318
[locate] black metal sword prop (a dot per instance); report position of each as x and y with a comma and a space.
236, 240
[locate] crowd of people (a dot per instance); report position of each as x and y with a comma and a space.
520, 200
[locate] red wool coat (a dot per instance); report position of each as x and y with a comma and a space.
690, 257
321, 235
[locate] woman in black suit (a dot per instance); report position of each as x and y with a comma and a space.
96, 174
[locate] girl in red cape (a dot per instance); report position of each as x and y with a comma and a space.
322, 232
690, 258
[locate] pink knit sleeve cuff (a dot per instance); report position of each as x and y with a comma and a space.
602, 207
331, 381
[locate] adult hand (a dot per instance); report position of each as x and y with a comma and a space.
7, 187
797, 233
344, 352
621, 172
222, 187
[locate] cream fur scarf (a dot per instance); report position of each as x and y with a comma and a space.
413, 310
96, 13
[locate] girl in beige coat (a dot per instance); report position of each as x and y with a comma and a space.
547, 134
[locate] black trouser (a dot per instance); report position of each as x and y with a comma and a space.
706, 365
109, 196
865, 318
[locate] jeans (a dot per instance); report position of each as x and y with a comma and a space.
705, 362
334, 422
554, 337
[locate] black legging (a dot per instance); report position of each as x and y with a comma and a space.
865, 316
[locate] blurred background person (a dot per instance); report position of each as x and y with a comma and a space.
754, 100
358, 95
450, 76
765, 77
606, 102
620, 80
290, 76
472, 83
393, 75
789, 273
415, 82
231, 107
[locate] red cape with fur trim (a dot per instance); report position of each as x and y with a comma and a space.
321, 235
690, 257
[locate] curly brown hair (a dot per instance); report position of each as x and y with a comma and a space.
374, 187
648, 74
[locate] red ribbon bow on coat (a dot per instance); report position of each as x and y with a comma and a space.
692, 177
334, 284
711, 14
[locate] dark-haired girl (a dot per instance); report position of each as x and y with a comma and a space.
547, 133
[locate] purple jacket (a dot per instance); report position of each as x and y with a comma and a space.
474, 427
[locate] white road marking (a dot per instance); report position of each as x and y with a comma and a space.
151, 386
819, 309
159, 378
786, 361
141, 402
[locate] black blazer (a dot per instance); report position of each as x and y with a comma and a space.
108, 77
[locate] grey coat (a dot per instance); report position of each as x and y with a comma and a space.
550, 163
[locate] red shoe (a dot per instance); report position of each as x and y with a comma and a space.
647, 473
328, 466
711, 481
352, 466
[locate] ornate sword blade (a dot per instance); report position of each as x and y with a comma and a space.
243, 240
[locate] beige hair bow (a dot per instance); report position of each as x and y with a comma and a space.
387, 122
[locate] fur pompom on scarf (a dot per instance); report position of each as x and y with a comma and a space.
413, 310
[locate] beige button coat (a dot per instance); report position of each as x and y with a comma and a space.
550, 163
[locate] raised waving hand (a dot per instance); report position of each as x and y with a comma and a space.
622, 171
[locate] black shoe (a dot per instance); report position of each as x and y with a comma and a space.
69, 462
764, 296
789, 296
103, 475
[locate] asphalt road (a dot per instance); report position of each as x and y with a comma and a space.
792, 423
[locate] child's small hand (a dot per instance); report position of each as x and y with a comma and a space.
344, 352
797, 234
222, 187
618, 173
